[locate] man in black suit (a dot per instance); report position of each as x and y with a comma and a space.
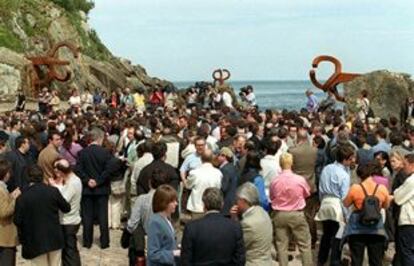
159, 154
230, 178
94, 169
20, 161
37, 219
213, 239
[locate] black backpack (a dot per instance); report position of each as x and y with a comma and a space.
370, 213
370, 113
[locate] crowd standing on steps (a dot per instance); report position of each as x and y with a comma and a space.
244, 185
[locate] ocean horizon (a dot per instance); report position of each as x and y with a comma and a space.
275, 94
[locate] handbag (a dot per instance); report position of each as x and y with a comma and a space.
118, 188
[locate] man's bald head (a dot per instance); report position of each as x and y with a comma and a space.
207, 156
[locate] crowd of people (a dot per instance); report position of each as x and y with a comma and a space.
244, 186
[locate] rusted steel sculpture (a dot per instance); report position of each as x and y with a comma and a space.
334, 80
221, 75
44, 68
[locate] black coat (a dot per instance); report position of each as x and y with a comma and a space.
94, 162
37, 219
20, 164
213, 240
147, 172
229, 186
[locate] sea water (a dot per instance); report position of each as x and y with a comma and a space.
274, 94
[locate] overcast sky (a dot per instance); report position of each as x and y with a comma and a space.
182, 40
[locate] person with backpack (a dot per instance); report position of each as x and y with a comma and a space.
365, 228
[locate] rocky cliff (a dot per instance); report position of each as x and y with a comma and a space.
31, 27
387, 92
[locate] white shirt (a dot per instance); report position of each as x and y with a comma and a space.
139, 164
251, 98
270, 169
404, 196
227, 100
72, 192
199, 179
74, 100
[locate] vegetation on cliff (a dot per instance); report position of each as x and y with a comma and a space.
25, 23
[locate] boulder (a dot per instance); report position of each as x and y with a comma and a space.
10, 80
387, 92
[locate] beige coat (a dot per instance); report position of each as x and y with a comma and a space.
304, 160
258, 236
8, 231
47, 157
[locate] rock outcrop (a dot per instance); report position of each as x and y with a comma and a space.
387, 92
33, 26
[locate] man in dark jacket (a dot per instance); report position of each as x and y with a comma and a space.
213, 239
37, 219
230, 178
20, 161
94, 169
158, 152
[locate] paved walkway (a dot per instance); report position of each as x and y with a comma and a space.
117, 256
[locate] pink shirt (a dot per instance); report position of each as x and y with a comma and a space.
381, 180
288, 192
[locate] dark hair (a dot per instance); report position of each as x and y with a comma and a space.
158, 178
364, 93
393, 121
159, 150
409, 158
272, 146
14, 122
381, 132
51, 133
35, 174
231, 131
163, 195
5, 168
253, 160
68, 138
20, 140
364, 171
384, 155
396, 138
212, 199
344, 152
375, 168
320, 142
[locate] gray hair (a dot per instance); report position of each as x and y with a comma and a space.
96, 134
249, 193
213, 199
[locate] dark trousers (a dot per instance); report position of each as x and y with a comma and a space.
329, 243
70, 252
95, 206
375, 245
396, 261
406, 244
7, 256
311, 208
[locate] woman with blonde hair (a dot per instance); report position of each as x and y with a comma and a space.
398, 178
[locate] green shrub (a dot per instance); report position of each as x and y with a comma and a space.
75, 5
9, 40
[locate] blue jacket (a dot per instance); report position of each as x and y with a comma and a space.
161, 242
